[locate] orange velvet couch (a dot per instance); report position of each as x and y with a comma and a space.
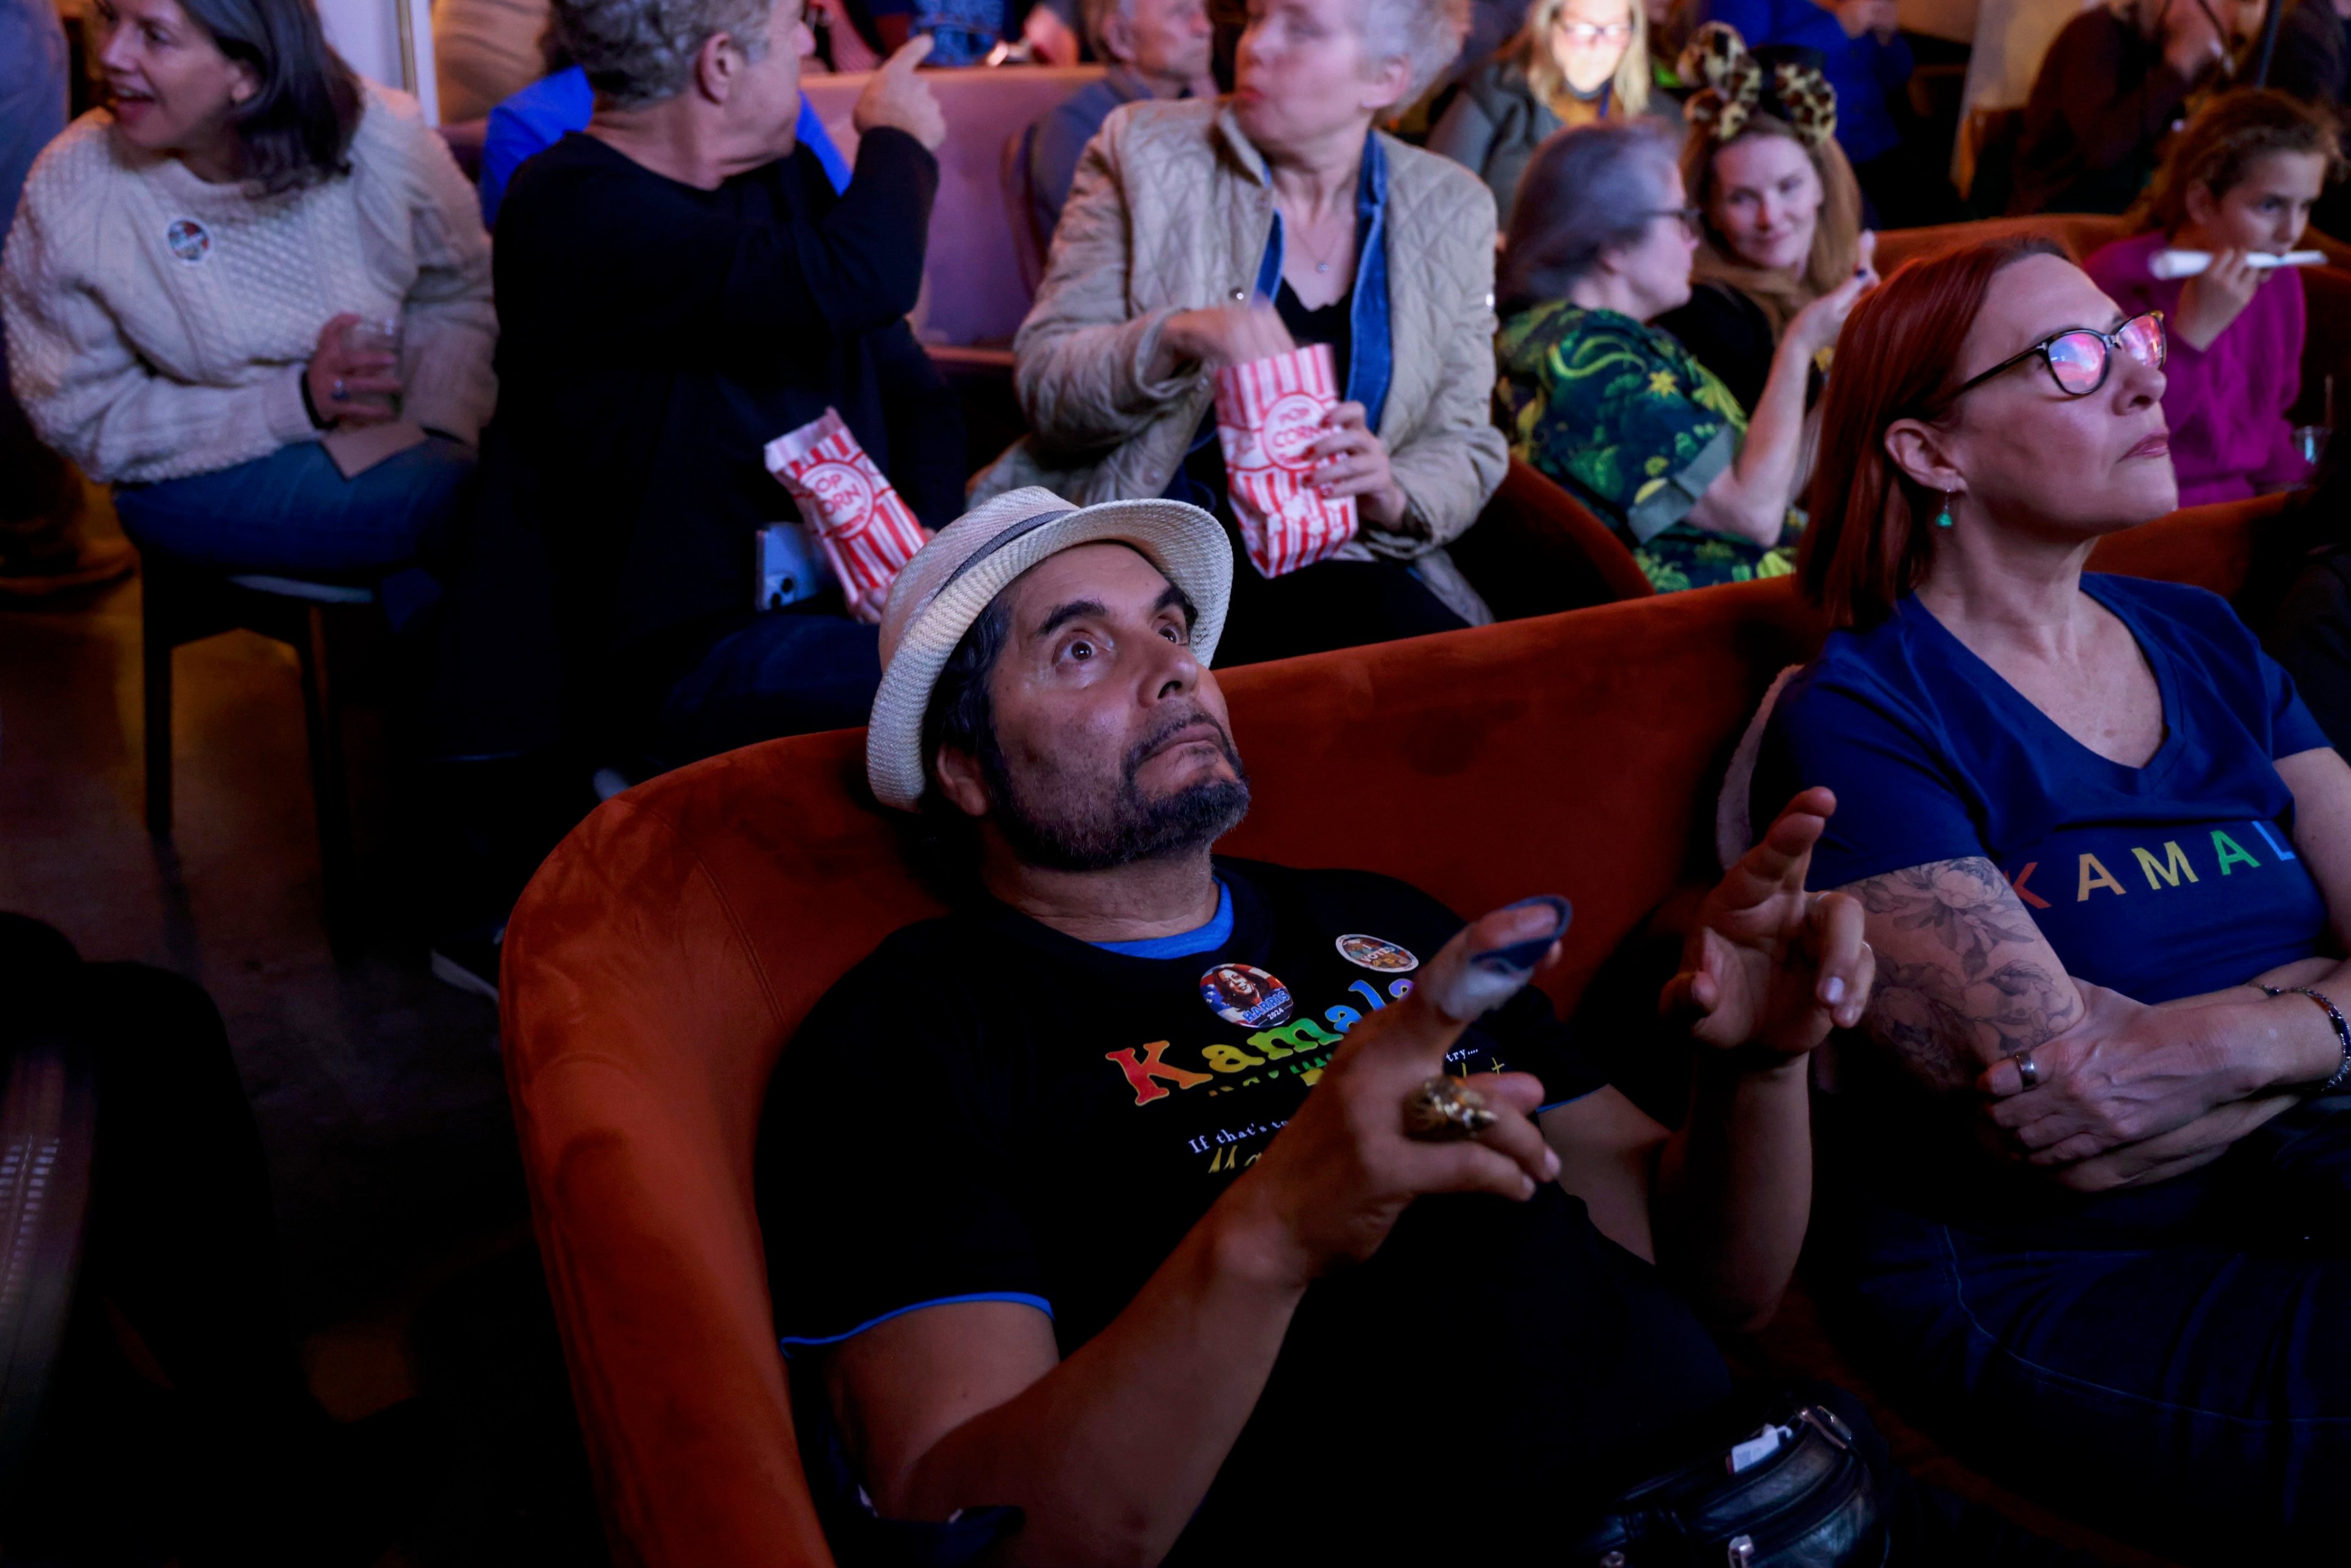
670, 947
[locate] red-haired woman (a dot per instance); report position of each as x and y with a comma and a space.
2106, 855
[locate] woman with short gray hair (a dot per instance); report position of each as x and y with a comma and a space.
1203, 235
1613, 407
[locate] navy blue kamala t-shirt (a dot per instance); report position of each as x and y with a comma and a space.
2158, 882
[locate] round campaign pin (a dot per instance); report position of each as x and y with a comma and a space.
1242, 994
1377, 953
189, 240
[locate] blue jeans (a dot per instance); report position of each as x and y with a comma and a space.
293, 514
2176, 1371
784, 674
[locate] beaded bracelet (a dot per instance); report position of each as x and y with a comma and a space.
2341, 1037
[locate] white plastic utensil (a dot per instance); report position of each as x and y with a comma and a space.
2170, 264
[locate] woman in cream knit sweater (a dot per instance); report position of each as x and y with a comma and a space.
182, 272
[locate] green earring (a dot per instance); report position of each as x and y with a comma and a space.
1943, 517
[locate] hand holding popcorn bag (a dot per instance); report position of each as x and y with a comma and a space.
1269, 412
866, 531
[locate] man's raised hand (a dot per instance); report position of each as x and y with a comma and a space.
899, 100
1334, 1180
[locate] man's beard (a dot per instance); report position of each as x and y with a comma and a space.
1061, 830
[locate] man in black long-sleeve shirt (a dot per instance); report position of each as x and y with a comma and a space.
677, 287
2110, 88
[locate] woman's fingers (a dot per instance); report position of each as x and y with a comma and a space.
1778, 862
1227, 335
1847, 967
2080, 1146
1267, 335
1691, 998
330, 336
1339, 487
1848, 1013
1342, 443
2004, 1081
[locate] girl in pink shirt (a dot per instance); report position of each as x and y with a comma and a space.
2239, 179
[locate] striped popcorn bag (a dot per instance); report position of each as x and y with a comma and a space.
1268, 413
866, 530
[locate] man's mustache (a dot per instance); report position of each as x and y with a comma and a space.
1168, 728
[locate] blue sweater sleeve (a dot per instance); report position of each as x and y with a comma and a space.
1893, 62
526, 124
1752, 17
812, 135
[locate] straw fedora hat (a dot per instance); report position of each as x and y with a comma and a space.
959, 573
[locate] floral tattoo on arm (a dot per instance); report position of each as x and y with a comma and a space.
1980, 987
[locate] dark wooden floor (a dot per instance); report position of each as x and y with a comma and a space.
378, 1090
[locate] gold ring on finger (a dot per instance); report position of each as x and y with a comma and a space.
1444, 1110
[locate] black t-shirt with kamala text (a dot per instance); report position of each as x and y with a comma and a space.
1048, 1117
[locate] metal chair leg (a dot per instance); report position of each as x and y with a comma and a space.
330, 800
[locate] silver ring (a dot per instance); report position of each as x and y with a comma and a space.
2027, 1069
339, 392
1446, 1111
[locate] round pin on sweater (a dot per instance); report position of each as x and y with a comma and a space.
189, 240
1377, 954
1245, 995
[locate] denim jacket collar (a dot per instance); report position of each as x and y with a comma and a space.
1371, 357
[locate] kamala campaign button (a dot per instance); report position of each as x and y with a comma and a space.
1377, 953
1239, 993
189, 240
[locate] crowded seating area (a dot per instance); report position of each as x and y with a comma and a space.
905, 782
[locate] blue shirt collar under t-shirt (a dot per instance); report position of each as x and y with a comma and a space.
1185, 944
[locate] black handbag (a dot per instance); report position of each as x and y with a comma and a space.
1802, 1492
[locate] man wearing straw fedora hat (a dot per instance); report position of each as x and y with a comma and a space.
1165, 1214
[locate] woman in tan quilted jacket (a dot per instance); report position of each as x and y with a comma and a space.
1205, 235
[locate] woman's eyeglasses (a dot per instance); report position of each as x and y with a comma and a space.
1689, 216
2080, 358
1590, 33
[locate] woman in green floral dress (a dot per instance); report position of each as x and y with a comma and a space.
1616, 410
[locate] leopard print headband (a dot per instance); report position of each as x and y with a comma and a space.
1731, 89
